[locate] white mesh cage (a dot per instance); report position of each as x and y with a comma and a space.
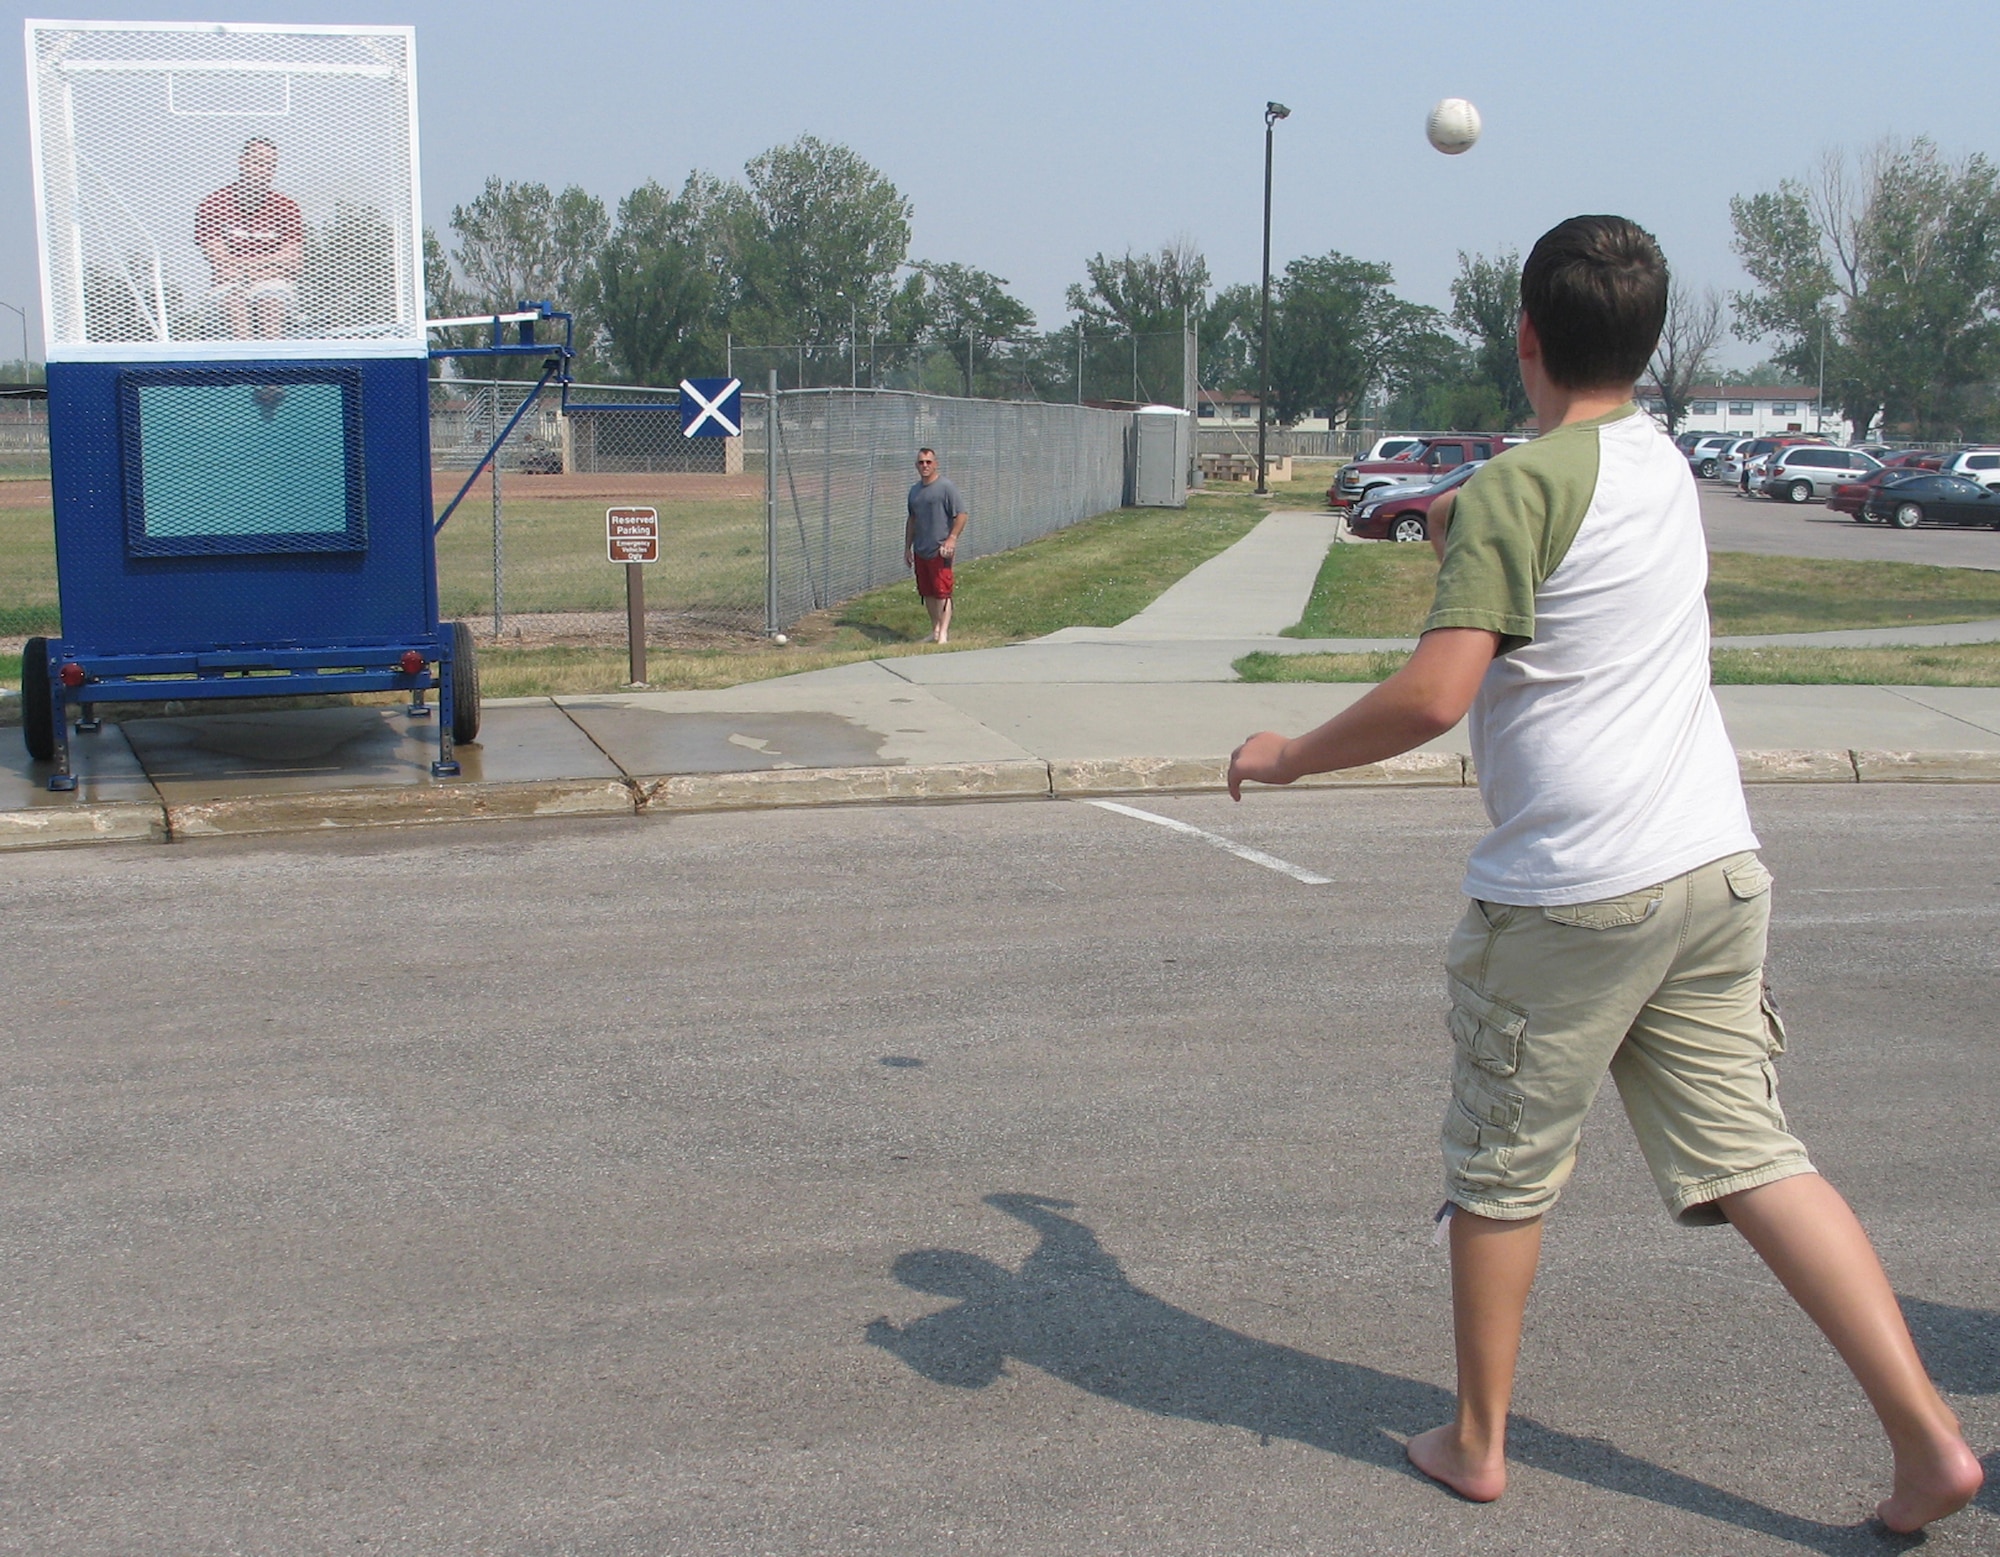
218, 191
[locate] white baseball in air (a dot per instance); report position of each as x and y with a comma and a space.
1453, 126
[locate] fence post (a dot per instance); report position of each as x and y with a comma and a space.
826, 501
499, 574
771, 505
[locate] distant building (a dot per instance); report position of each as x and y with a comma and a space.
1752, 411
1238, 408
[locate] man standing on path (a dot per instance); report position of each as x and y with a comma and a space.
930, 540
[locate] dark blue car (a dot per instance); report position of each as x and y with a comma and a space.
1933, 499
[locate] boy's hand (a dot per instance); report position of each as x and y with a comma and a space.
1260, 759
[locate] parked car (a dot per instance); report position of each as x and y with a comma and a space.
1980, 465
1391, 446
1705, 453
1402, 513
1851, 497
1727, 467
1432, 456
1804, 471
1745, 459
1929, 498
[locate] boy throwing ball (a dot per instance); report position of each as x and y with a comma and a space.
1618, 908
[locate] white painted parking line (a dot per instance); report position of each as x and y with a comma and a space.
1241, 850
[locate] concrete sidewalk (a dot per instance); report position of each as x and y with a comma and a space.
1149, 705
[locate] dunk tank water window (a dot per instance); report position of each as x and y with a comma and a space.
238, 373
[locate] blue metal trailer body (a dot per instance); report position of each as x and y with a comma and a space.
233, 529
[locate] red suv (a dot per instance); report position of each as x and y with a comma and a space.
1433, 456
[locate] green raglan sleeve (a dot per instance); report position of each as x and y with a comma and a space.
1512, 524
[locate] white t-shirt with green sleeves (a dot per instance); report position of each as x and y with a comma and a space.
1602, 758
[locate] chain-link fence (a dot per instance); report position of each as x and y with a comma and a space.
1283, 442
748, 544
1066, 366
24, 438
844, 463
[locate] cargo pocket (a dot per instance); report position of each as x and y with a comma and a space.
1747, 878
1611, 912
1774, 1024
1487, 1031
1481, 1126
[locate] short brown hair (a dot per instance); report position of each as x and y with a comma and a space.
1595, 288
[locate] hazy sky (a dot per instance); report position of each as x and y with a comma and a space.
1029, 135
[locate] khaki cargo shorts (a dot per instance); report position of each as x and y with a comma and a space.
1663, 988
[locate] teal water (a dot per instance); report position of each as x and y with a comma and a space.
217, 462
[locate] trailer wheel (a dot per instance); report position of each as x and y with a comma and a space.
464, 685
38, 713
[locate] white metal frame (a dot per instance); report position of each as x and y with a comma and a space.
409, 250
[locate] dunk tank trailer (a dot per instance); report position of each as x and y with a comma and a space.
238, 373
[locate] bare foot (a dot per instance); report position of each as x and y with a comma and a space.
1930, 1487
1440, 1456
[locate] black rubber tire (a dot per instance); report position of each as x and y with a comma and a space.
1907, 516
464, 685
1409, 528
1708, 469
38, 714
1799, 492
1862, 518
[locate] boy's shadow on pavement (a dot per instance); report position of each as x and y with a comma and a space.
1070, 1311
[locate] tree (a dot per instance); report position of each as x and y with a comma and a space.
523, 243
1229, 336
1688, 339
1486, 308
816, 242
1142, 294
660, 288
1889, 269
1337, 331
960, 309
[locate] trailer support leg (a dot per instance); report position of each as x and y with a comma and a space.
62, 780
446, 765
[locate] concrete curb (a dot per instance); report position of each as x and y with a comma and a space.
47, 827
769, 788
1927, 767
1139, 775
1796, 767
53, 826
295, 813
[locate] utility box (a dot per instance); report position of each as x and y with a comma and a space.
1162, 444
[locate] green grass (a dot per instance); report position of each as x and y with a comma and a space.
1374, 591
552, 553
1958, 665
1095, 573
1384, 590
1749, 593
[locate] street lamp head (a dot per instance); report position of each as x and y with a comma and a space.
1276, 111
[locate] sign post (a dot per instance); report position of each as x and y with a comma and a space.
632, 536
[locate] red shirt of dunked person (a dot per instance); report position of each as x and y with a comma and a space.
255, 242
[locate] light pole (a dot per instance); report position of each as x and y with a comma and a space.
1819, 400
11, 308
1273, 112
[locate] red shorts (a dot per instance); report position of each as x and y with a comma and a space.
933, 578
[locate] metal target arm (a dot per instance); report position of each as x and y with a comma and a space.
523, 345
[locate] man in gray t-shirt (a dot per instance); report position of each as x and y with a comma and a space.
930, 540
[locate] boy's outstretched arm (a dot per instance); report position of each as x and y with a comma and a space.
1425, 698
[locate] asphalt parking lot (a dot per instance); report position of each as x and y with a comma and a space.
1812, 530
1009, 1178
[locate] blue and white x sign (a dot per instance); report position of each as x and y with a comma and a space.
712, 407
